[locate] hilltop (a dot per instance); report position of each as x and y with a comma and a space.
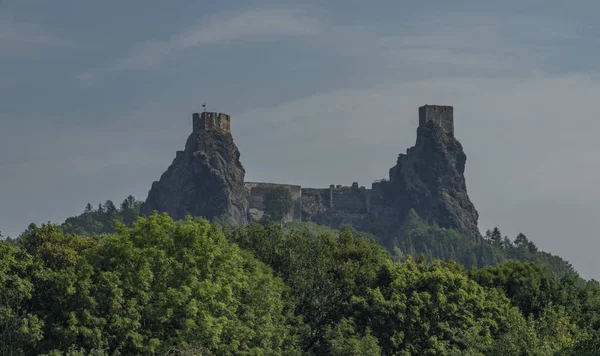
423, 208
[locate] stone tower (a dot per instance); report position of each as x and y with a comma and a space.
440, 114
211, 121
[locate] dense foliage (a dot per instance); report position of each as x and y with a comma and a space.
102, 219
155, 288
416, 237
419, 237
348, 286
188, 288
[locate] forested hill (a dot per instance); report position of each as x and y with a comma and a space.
189, 287
101, 220
416, 238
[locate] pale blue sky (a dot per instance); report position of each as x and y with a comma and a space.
96, 97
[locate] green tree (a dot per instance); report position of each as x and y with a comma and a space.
170, 284
102, 221
496, 237
324, 272
20, 330
344, 340
551, 334
129, 210
431, 309
159, 286
63, 295
531, 288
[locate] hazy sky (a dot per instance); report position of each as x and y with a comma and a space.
96, 97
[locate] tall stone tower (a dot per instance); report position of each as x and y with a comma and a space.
440, 114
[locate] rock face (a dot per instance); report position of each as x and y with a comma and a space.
430, 179
206, 179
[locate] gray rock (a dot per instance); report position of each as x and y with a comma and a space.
206, 179
429, 178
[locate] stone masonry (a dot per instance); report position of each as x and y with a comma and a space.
256, 192
211, 121
440, 114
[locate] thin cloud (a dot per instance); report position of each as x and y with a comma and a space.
255, 25
455, 41
475, 42
14, 32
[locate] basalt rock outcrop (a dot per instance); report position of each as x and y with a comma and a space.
429, 178
206, 179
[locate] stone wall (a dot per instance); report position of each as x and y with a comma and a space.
343, 199
337, 205
256, 198
352, 200
315, 202
336, 202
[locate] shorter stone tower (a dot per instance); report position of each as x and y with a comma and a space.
440, 114
211, 121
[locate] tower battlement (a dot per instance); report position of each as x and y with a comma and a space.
211, 121
440, 114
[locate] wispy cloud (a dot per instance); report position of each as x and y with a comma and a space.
220, 29
13, 32
255, 25
469, 41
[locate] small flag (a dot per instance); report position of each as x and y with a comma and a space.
204, 106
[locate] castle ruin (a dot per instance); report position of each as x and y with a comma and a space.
207, 179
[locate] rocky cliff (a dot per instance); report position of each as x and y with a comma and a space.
429, 178
206, 179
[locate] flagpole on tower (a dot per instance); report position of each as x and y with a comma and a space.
204, 106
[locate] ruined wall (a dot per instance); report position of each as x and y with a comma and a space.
256, 198
337, 205
440, 114
332, 206
377, 193
352, 200
315, 202
211, 121
343, 199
